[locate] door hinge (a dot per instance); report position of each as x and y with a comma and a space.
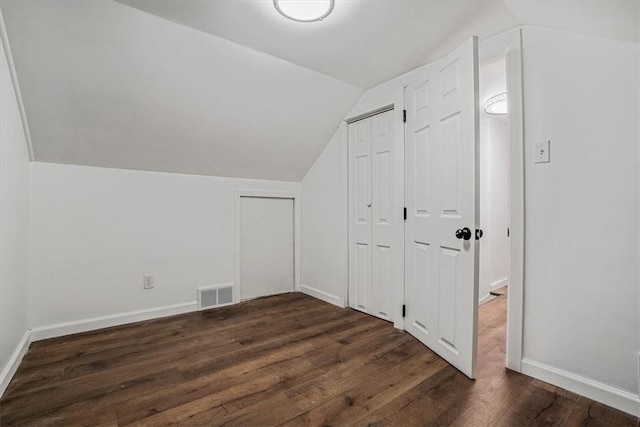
404, 310
404, 116
405, 213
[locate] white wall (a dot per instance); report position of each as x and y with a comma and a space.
494, 204
14, 224
582, 216
324, 223
96, 231
325, 234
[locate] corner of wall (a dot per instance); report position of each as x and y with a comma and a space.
16, 86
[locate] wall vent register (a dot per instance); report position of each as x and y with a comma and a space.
215, 296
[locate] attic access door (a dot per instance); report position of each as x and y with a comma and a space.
441, 270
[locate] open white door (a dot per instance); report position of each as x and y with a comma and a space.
441, 276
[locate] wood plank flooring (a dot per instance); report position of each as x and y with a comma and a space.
284, 360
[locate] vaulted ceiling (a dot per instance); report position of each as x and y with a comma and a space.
230, 87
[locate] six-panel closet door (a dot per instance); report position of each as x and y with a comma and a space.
375, 220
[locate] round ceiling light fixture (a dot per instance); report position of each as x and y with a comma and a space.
496, 105
304, 10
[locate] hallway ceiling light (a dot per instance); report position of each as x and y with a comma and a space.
497, 104
304, 10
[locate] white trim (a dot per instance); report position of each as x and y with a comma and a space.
485, 299
614, 397
14, 361
16, 86
295, 195
509, 44
84, 325
499, 284
322, 295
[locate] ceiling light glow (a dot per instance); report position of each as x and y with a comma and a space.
304, 10
496, 105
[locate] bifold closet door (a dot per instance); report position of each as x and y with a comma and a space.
266, 246
375, 220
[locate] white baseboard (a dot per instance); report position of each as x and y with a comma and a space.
14, 361
84, 325
499, 284
614, 397
324, 296
486, 298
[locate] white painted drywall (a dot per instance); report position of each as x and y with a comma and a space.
324, 223
494, 204
581, 210
613, 19
266, 246
106, 84
361, 42
14, 219
96, 231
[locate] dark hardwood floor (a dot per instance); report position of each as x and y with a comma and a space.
283, 360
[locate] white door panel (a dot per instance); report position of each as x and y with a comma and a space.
441, 269
375, 216
360, 286
266, 246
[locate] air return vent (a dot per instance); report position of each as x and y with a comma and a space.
215, 296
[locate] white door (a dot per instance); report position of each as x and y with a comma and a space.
375, 217
266, 246
441, 276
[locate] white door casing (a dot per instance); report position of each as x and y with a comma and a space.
376, 229
441, 276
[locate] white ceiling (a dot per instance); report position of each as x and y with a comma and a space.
362, 42
230, 87
615, 19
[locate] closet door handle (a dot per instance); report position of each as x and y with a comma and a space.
369, 204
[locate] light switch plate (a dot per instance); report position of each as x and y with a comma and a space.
542, 152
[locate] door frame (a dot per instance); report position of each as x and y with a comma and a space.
493, 46
509, 45
265, 194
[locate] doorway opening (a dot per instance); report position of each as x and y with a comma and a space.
494, 204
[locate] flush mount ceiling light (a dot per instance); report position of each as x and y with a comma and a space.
304, 10
496, 105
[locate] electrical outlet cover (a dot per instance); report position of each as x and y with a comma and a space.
147, 281
542, 152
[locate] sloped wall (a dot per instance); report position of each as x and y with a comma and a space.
324, 224
14, 225
108, 85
